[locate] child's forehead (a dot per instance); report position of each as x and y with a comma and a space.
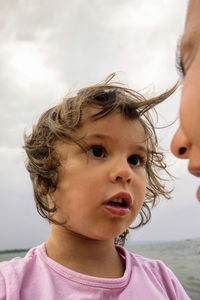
89, 115
114, 125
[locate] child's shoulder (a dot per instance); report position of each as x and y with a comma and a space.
15, 272
152, 275
18, 265
141, 260
152, 268
147, 264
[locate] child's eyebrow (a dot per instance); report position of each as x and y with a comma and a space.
98, 136
108, 137
142, 149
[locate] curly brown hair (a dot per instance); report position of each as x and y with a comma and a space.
60, 123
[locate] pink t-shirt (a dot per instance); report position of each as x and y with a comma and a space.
37, 277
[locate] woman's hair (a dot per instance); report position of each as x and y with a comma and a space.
60, 123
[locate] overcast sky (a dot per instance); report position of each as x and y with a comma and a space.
50, 47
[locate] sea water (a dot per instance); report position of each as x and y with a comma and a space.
182, 257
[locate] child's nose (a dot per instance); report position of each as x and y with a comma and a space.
121, 172
180, 145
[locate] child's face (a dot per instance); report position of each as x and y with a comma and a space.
111, 170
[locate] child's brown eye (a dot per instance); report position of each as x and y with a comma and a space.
135, 160
97, 151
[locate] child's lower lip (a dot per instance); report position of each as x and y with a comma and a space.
117, 210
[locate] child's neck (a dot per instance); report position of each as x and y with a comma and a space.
90, 257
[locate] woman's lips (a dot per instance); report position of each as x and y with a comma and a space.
196, 172
198, 193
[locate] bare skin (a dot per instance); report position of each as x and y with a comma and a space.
113, 167
186, 141
86, 256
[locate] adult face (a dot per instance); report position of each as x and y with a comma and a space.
186, 141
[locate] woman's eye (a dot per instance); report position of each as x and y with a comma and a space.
136, 160
97, 151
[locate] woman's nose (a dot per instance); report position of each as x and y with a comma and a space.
121, 172
180, 145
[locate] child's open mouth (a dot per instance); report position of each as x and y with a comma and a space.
119, 204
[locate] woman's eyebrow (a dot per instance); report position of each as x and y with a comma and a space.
179, 61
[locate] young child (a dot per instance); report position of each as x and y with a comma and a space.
94, 167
